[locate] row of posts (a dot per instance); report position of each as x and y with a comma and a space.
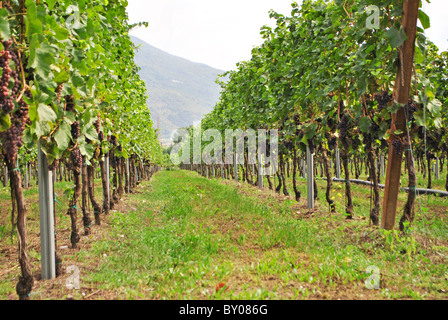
46, 203
309, 169
308, 172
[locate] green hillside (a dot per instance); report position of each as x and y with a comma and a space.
180, 91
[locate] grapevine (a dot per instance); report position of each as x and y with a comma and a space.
63, 88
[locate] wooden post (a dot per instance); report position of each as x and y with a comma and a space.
46, 203
401, 97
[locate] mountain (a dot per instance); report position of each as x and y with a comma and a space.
180, 92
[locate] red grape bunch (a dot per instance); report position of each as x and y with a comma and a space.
70, 103
76, 160
59, 92
12, 138
114, 141
332, 141
7, 96
343, 127
410, 109
97, 124
383, 99
75, 130
398, 146
54, 165
98, 128
311, 146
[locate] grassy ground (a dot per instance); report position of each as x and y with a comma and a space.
181, 236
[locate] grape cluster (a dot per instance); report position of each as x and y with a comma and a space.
356, 142
113, 161
12, 141
421, 132
433, 140
289, 145
331, 123
7, 96
54, 165
372, 134
59, 92
430, 155
114, 141
384, 144
312, 146
75, 130
383, 99
21, 116
300, 134
410, 109
332, 143
12, 138
367, 140
374, 129
343, 127
444, 148
76, 159
70, 103
398, 146
296, 119
97, 124
98, 128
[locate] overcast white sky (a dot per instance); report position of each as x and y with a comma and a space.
221, 33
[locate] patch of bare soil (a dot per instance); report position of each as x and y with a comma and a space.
73, 260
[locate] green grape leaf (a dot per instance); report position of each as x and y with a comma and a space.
42, 57
61, 33
5, 122
46, 114
34, 24
62, 136
50, 4
86, 149
396, 37
434, 106
364, 124
424, 19
5, 31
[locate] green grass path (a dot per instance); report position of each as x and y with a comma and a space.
182, 236
188, 236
